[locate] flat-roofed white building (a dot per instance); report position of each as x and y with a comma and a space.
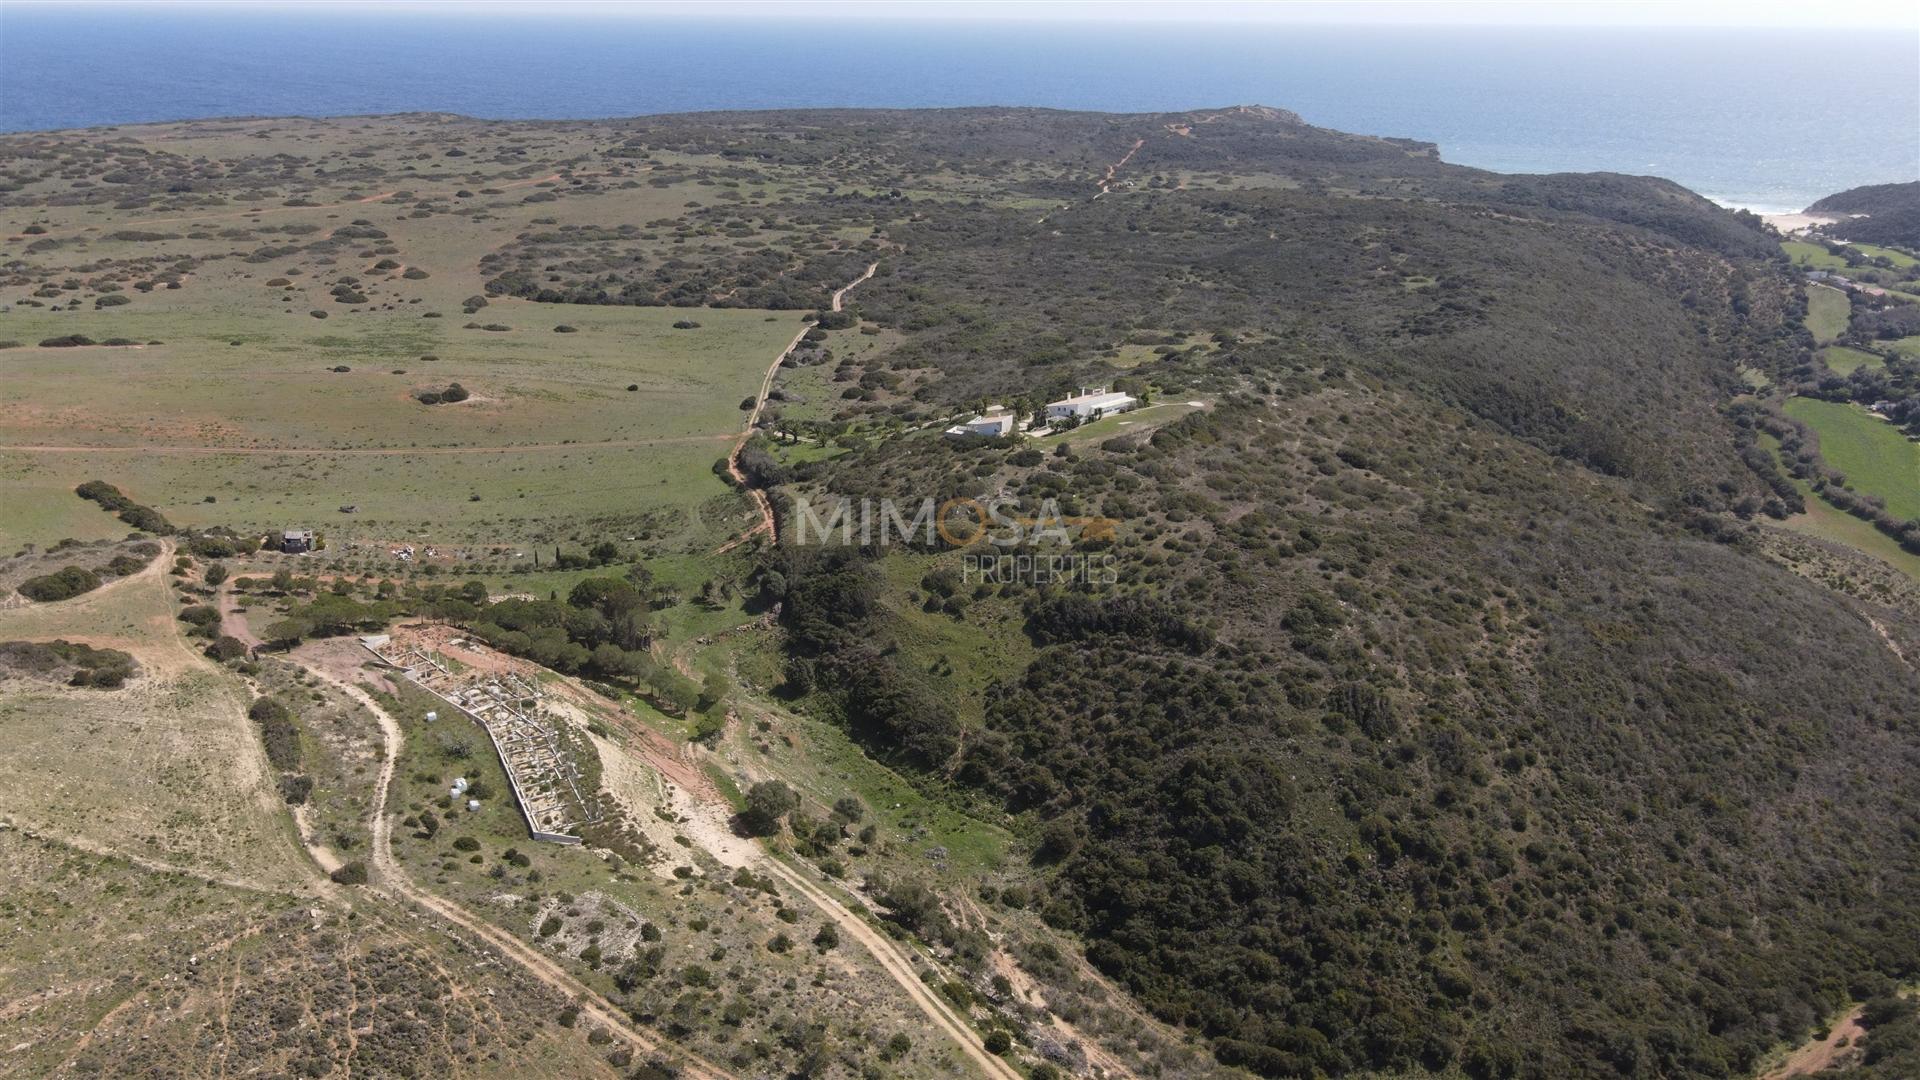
1091, 403
995, 423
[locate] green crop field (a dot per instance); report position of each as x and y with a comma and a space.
1846, 361
1827, 312
1876, 458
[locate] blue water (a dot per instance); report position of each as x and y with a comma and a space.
1765, 119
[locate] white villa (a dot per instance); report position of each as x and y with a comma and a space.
1091, 403
995, 423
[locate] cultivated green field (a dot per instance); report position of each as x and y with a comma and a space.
1827, 313
1875, 457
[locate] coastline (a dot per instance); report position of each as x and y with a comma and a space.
1789, 224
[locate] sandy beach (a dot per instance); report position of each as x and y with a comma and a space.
1800, 222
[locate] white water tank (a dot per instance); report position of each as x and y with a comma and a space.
432, 716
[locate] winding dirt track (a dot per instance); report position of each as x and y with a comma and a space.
753, 417
899, 968
1887, 636
391, 876
893, 960
1106, 181
1819, 1055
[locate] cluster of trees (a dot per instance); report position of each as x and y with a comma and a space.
829, 604
280, 734
331, 614
219, 543
82, 665
1892, 1042
63, 584
603, 629
144, 518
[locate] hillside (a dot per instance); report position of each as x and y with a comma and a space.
1439, 652
1887, 214
1452, 697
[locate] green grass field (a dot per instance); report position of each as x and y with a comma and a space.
1899, 259
1144, 419
1812, 255
1846, 361
1875, 457
234, 360
166, 768
1823, 521
1906, 346
274, 437
1828, 310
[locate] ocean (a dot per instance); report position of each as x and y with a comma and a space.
1765, 119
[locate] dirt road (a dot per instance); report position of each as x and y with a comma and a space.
1819, 1055
391, 876
708, 816
759, 497
1106, 181
234, 623
1894, 646
899, 967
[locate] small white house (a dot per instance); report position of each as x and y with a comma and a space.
995, 423
1091, 403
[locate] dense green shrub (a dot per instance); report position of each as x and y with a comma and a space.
62, 584
278, 733
103, 669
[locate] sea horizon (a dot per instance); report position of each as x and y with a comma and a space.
1734, 115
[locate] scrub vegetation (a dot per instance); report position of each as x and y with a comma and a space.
1476, 683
